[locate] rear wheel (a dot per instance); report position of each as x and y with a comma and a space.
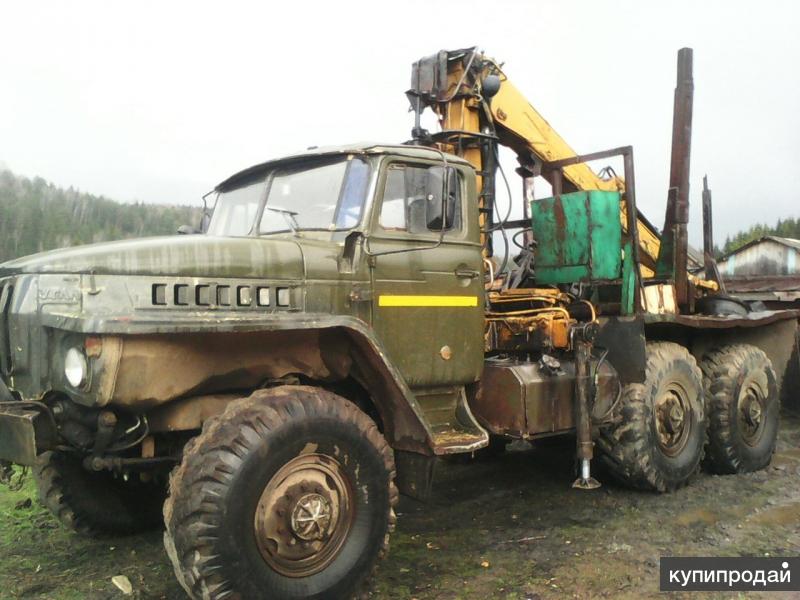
287, 494
656, 441
743, 409
96, 503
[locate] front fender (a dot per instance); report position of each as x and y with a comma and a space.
150, 360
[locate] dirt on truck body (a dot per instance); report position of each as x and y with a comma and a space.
268, 386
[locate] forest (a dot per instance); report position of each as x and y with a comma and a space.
36, 215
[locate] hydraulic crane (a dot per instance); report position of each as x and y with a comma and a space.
478, 108
572, 244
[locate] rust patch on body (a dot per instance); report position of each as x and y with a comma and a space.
154, 369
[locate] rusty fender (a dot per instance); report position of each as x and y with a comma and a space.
180, 377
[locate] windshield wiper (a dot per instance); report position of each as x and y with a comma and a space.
288, 215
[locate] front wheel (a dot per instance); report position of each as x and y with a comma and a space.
93, 503
287, 494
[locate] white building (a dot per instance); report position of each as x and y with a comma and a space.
766, 270
767, 256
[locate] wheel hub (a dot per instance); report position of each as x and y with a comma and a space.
311, 517
304, 515
674, 417
751, 412
672, 420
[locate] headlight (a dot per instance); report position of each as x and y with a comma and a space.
75, 367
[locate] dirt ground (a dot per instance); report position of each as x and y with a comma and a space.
511, 528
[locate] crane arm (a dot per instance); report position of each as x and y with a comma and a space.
455, 84
517, 118
521, 125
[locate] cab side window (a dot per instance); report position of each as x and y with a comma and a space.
412, 199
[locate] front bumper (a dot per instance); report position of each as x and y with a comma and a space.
25, 433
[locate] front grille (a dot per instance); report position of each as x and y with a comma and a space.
224, 296
6, 289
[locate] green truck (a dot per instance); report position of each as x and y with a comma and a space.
268, 386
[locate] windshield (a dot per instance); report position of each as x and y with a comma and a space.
327, 196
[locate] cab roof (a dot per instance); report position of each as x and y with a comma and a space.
363, 148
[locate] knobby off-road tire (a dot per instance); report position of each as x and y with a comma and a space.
656, 441
96, 503
288, 494
743, 409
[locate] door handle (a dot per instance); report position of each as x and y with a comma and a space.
467, 273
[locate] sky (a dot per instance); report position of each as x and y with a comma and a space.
159, 101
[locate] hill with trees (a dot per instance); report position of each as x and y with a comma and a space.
36, 215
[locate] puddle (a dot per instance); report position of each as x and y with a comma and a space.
788, 514
696, 516
793, 453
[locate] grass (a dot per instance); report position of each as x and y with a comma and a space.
41, 559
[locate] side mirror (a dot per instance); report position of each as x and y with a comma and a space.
205, 220
203, 226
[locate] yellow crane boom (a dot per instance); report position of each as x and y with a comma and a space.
455, 84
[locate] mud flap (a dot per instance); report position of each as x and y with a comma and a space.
415, 474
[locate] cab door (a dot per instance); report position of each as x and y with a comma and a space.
427, 283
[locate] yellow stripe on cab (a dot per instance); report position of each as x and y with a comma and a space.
427, 301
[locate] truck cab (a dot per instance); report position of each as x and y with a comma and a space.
357, 239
